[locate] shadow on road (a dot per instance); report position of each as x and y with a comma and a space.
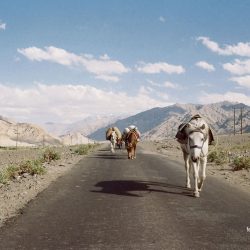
131, 188
108, 156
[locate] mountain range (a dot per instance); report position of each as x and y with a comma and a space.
154, 124
24, 134
85, 126
162, 123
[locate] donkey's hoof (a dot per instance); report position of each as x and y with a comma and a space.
196, 194
188, 186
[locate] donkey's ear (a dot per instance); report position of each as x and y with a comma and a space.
203, 126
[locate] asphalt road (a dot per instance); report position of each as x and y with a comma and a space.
109, 202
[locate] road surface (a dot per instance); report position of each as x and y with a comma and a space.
109, 202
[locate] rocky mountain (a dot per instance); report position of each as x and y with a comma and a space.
84, 127
24, 134
75, 139
162, 123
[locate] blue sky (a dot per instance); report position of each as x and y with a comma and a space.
64, 60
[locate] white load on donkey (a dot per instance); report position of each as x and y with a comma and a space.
131, 128
114, 135
131, 135
194, 138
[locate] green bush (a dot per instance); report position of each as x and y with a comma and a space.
32, 167
50, 155
3, 177
218, 157
29, 167
8, 174
240, 163
84, 149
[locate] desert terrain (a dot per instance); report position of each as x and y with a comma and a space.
15, 194
21, 189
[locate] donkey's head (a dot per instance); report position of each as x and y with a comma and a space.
196, 139
113, 137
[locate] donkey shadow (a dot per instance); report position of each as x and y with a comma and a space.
112, 156
131, 188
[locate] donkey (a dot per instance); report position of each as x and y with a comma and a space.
194, 138
131, 142
113, 141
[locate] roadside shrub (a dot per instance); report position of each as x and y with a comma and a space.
50, 155
29, 167
32, 167
3, 177
240, 163
11, 171
84, 149
218, 157
212, 156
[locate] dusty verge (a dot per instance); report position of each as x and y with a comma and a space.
17, 193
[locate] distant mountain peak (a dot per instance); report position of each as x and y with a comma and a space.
162, 123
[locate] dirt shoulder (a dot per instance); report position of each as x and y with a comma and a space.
18, 192
224, 172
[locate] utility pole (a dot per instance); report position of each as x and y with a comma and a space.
234, 120
17, 133
241, 119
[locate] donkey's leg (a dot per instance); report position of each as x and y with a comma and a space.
135, 151
196, 178
129, 153
203, 172
112, 147
187, 167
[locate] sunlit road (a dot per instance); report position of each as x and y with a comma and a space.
109, 202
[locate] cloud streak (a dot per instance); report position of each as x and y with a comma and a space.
162, 19
238, 67
68, 103
228, 96
206, 66
243, 81
103, 68
2, 25
159, 67
239, 49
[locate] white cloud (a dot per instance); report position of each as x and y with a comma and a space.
105, 57
162, 19
2, 25
155, 68
166, 84
239, 67
170, 85
243, 81
145, 90
206, 66
204, 84
228, 96
68, 103
99, 67
108, 78
240, 49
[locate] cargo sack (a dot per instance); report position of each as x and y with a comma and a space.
118, 132
108, 133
